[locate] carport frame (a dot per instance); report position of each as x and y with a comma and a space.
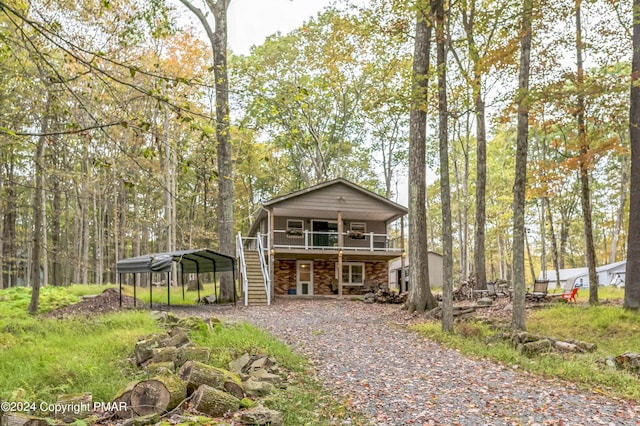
201, 261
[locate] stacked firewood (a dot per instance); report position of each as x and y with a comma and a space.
384, 295
458, 312
465, 289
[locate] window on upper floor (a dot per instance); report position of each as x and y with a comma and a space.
295, 227
358, 227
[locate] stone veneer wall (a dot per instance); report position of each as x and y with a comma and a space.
284, 276
323, 272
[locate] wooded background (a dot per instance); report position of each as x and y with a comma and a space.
108, 142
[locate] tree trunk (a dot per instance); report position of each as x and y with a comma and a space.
218, 40
554, 242
44, 254
458, 192
565, 223
68, 237
479, 264
38, 214
466, 265
196, 374
214, 402
84, 203
124, 397
225, 163
479, 258
420, 297
501, 255
19, 419
585, 191
529, 255
56, 243
158, 395
445, 190
632, 280
519, 186
622, 200
543, 239
97, 239
9, 272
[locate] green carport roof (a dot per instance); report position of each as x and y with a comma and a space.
191, 261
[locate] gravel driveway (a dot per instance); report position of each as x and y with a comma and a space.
396, 377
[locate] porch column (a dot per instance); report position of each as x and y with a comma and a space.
401, 278
340, 244
271, 250
340, 274
340, 231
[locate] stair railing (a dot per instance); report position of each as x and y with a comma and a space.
243, 269
265, 269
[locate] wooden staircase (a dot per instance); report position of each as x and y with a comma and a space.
256, 293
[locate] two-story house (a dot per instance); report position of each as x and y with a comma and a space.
331, 238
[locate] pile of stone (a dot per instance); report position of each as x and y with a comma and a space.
181, 385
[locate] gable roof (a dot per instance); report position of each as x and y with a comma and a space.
330, 183
323, 200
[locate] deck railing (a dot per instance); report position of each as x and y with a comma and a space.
243, 268
253, 244
351, 241
265, 269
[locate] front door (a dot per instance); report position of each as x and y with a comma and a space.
304, 277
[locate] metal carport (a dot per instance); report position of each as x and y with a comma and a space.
189, 261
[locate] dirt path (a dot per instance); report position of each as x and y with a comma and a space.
395, 377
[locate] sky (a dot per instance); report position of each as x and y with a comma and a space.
251, 21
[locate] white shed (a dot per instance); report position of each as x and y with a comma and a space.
435, 272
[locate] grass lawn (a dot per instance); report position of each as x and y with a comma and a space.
178, 296
41, 358
614, 330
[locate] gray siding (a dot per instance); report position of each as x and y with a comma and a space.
339, 197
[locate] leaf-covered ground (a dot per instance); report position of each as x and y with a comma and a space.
395, 377
365, 354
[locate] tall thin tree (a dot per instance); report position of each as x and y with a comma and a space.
218, 40
583, 142
445, 190
38, 213
632, 281
420, 297
520, 181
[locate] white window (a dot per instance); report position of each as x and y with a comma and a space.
352, 273
359, 227
295, 228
